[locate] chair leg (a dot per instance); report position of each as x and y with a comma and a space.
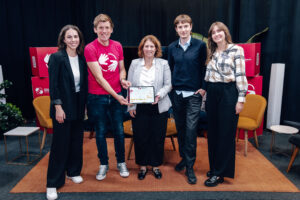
255, 137
44, 138
91, 134
292, 159
173, 144
130, 148
246, 142
205, 133
238, 135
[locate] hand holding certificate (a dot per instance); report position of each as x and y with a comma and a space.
141, 94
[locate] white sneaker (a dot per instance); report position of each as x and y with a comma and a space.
51, 193
102, 172
123, 169
76, 179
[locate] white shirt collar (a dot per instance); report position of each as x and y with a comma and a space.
143, 62
187, 43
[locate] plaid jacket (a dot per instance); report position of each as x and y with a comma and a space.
229, 66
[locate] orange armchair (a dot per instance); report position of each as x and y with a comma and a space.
42, 108
251, 116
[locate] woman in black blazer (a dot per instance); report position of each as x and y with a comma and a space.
68, 92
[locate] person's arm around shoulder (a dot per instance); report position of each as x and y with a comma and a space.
167, 86
202, 57
170, 57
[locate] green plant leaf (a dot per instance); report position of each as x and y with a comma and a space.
199, 37
250, 40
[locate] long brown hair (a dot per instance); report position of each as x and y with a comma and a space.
62, 45
212, 46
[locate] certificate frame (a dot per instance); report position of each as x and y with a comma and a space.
141, 94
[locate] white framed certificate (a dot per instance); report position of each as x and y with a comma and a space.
141, 94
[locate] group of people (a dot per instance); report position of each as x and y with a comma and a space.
92, 78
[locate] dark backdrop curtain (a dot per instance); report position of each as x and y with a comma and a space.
25, 23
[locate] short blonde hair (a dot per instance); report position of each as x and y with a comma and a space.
102, 18
155, 41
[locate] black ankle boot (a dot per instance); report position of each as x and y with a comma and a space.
180, 166
213, 181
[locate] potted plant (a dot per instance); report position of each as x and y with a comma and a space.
10, 115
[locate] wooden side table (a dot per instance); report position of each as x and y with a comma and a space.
281, 129
22, 132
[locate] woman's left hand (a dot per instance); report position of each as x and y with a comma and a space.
239, 107
156, 100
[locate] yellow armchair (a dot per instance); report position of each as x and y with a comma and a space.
42, 108
251, 116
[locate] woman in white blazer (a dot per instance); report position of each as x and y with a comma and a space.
149, 121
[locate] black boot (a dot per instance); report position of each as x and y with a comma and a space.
213, 181
192, 179
180, 166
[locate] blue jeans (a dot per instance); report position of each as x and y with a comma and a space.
102, 111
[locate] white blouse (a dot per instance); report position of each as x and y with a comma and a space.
147, 76
76, 73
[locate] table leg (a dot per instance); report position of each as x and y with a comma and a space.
272, 142
27, 149
40, 142
6, 157
20, 143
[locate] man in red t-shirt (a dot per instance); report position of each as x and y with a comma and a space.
106, 74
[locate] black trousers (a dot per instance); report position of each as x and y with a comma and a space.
149, 132
66, 152
222, 123
187, 114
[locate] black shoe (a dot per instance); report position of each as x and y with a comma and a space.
157, 173
142, 174
180, 166
209, 174
192, 179
213, 181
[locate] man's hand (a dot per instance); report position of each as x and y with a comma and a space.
239, 107
132, 113
201, 91
125, 84
122, 100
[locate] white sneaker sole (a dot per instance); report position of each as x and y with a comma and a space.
124, 175
100, 178
75, 181
52, 197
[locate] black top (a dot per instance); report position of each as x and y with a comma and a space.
62, 86
188, 67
